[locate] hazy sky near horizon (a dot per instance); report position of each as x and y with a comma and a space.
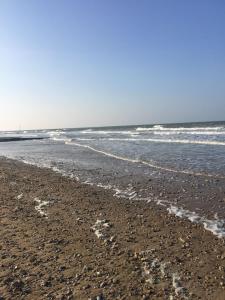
78, 63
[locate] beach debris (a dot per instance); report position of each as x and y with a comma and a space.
178, 289
79, 220
100, 297
156, 271
13, 183
40, 207
20, 196
101, 230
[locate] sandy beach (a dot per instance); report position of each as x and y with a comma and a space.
64, 240
112, 150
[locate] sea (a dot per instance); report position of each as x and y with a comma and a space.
184, 160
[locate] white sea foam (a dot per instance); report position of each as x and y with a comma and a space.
161, 202
104, 186
160, 127
177, 141
189, 133
186, 141
61, 139
216, 226
155, 127
95, 131
85, 139
105, 132
128, 193
55, 133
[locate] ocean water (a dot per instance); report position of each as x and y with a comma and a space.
188, 156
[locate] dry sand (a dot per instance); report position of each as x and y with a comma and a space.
60, 239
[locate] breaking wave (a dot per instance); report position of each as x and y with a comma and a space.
178, 141
161, 128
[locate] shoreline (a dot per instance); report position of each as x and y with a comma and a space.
65, 240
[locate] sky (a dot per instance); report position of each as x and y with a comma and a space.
78, 63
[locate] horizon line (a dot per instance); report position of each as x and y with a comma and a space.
114, 126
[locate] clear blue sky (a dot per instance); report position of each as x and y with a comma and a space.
108, 62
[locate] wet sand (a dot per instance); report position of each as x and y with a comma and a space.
64, 240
